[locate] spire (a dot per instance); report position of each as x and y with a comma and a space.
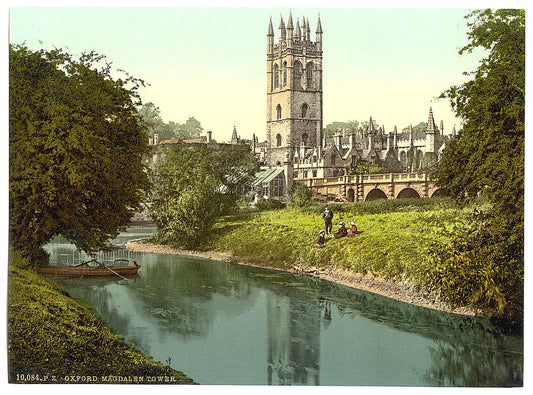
298, 32
371, 126
282, 32
431, 122
441, 127
290, 29
234, 137
319, 26
289, 22
308, 30
270, 28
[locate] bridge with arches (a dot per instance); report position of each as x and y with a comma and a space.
365, 187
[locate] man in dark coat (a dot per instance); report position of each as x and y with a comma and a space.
327, 216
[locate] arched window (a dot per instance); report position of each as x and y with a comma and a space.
275, 74
284, 71
297, 72
310, 71
305, 107
278, 111
278, 140
305, 139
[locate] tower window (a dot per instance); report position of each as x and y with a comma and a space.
305, 107
275, 74
284, 71
310, 70
305, 139
278, 140
278, 111
297, 72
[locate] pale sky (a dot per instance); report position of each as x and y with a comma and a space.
210, 63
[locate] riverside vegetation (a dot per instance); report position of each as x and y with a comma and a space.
412, 240
55, 339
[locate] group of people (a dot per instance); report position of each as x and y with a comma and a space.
327, 216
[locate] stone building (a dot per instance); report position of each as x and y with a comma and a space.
295, 147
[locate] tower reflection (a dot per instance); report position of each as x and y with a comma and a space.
293, 325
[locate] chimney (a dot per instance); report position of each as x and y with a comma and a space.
209, 137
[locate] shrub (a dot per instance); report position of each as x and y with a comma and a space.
301, 197
269, 204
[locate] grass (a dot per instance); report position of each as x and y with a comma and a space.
396, 236
54, 339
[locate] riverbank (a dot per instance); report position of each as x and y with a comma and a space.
403, 291
54, 339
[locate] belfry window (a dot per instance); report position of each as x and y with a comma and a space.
305, 107
310, 71
297, 72
275, 74
284, 71
278, 111
278, 140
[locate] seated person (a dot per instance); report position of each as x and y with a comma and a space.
341, 232
320, 240
353, 230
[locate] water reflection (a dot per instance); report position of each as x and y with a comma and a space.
228, 324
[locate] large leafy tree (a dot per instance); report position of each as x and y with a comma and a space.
194, 185
76, 146
487, 156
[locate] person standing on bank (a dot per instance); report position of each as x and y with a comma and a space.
327, 216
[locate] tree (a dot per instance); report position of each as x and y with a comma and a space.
420, 127
487, 156
301, 197
192, 128
333, 128
76, 146
155, 124
194, 185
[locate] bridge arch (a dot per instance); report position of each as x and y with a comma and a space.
375, 194
440, 192
350, 195
408, 193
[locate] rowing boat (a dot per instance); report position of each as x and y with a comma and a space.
85, 269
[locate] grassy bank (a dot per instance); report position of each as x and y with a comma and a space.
396, 238
410, 241
54, 339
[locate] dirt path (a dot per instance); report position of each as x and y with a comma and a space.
401, 291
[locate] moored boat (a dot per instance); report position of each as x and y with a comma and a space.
84, 269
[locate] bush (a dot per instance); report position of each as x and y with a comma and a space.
301, 197
269, 204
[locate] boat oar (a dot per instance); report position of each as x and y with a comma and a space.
114, 272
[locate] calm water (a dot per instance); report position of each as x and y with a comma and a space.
222, 323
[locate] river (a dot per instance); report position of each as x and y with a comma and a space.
222, 323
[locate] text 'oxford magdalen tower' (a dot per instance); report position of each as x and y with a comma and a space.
294, 90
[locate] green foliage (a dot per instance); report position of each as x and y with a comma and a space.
420, 127
154, 124
365, 167
194, 185
50, 334
333, 128
76, 146
478, 269
487, 156
269, 204
301, 197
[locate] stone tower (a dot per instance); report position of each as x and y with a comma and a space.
294, 91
